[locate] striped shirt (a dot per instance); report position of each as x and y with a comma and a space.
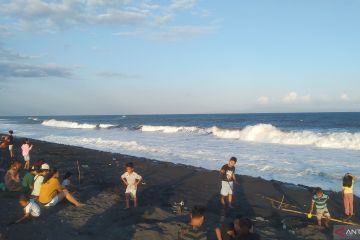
191, 233
320, 203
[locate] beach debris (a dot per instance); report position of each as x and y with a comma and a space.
179, 208
260, 219
84, 166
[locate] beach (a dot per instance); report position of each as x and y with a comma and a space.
104, 216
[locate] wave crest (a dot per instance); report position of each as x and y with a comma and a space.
67, 124
267, 133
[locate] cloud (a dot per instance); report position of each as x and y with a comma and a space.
182, 4
170, 33
15, 70
293, 97
263, 100
117, 75
344, 97
9, 55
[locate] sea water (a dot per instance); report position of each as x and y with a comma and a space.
314, 149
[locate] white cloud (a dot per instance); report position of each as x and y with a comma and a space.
344, 97
170, 33
293, 97
118, 75
49, 16
263, 100
15, 70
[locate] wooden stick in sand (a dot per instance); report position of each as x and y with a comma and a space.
79, 172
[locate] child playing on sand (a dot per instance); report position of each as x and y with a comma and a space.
31, 209
131, 180
193, 230
38, 180
228, 178
66, 183
26, 148
348, 189
319, 200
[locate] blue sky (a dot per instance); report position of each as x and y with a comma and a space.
180, 56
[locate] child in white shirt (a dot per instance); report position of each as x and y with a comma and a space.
131, 179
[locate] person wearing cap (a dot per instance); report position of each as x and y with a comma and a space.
28, 180
38, 180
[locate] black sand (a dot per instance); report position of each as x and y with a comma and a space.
104, 216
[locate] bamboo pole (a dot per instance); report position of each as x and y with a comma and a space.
331, 219
79, 172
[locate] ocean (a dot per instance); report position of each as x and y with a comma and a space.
314, 149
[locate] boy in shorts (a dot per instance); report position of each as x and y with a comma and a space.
131, 180
319, 200
31, 209
228, 178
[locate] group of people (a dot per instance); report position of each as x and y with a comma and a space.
41, 186
318, 201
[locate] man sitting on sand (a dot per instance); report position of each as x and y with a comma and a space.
319, 200
31, 209
193, 230
131, 180
12, 178
228, 178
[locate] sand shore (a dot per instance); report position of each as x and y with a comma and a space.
104, 217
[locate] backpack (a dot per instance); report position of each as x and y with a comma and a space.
347, 181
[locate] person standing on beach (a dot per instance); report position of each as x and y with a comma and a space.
319, 200
228, 178
193, 230
26, 148
11, 144
131, 180
348, 195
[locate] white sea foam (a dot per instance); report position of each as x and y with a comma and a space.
33, 118
267, 133
172, 129
67, 124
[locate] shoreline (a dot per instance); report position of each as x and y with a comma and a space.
166, 183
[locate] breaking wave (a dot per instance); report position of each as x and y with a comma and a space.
67, 124
267, 133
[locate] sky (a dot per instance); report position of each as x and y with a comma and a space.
77, 57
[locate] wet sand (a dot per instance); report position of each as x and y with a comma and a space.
104, 216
